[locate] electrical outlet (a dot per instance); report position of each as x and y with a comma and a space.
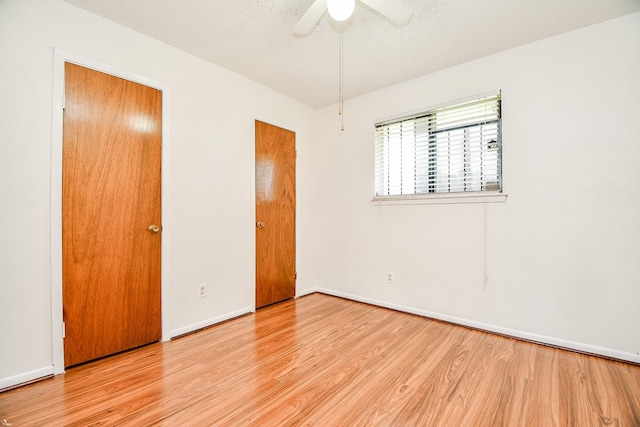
389, 278
202, 290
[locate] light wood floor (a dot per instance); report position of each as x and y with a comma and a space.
325, 361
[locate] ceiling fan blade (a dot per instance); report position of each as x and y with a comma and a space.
395, 10
310, 18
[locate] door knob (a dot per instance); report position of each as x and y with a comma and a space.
260, 224
153, 228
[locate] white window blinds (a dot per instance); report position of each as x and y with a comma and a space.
452, 149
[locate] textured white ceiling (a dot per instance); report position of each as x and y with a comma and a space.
254, 38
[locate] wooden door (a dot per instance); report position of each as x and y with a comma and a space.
275, 214
110, 207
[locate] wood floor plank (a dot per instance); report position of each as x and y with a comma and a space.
326, 361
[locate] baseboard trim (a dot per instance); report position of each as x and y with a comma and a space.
578, 347
25, 378
306, 292
175, 333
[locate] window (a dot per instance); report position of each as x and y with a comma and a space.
453, 149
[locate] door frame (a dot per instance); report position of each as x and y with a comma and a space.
294, 129
59, 58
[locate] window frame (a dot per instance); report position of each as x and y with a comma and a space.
430, 130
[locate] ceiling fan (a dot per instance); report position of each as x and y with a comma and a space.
395, 10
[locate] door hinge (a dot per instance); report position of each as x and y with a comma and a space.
296, 275
64, 330
64, 101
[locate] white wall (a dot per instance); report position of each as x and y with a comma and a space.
211, 204
562, 256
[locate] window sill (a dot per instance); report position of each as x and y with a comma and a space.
441, 198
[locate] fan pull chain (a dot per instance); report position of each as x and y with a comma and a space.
341, 80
